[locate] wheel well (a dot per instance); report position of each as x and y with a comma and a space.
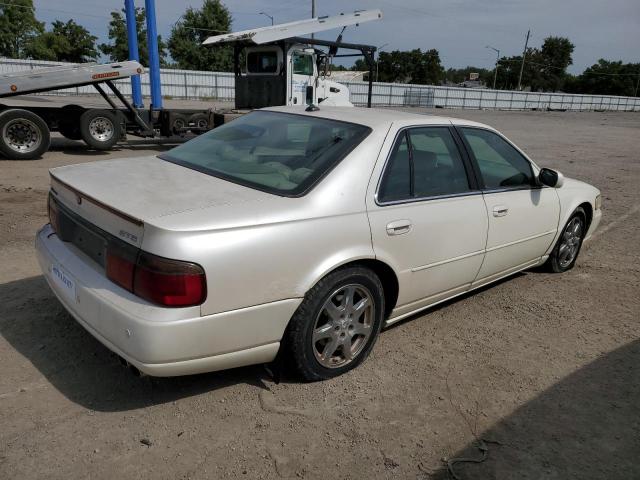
387, 277
588, 210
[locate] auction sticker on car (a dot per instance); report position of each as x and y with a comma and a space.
64, 282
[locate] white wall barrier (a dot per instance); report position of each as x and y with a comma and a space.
191, 84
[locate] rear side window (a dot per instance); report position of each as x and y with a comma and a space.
262, 62
425, 162
500, 164
396, 182
438, 167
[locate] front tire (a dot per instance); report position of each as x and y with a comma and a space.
565, 253
337, 324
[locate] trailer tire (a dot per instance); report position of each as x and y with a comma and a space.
23, 135
201, 123
100, 129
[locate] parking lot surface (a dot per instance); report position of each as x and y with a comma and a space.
542, 368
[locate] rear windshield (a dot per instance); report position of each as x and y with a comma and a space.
280, 153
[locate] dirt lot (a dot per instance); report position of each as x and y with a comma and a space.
545, 368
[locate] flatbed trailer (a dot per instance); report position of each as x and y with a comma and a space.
25, 129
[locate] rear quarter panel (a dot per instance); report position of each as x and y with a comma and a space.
282, 253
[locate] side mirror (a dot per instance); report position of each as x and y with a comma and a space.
550, 178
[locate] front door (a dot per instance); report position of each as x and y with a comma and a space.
302, 76
523, 217
428, 221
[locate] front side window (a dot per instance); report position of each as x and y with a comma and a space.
424, 162
276, 152
302, 64
500, 164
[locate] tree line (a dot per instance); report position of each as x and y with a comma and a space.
22, 35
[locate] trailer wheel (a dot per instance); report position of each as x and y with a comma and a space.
23, 135
100, 129
200, 123
179, 125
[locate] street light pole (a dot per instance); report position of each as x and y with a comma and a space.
495, 74
313, 12
267, 15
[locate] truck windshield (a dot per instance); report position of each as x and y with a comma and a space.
280, 153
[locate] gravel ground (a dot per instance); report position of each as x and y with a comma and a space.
544, 369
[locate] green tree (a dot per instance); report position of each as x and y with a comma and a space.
360, 65
118, 50
18, 27
47, 46
187, 35
414, 66
66, 42
607, 78
82, 44
552, 61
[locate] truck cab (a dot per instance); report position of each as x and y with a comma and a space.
286, 74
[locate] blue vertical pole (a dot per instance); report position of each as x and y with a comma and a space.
154, 58
132, 39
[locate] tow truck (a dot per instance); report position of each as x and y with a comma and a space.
273, 66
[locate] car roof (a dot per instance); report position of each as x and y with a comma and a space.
375, 117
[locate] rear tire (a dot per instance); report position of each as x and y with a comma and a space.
23, 135
565, 253
337, 324
100, 129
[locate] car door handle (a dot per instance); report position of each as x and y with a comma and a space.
398, 227
500, 211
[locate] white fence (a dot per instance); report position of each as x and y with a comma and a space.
190, 84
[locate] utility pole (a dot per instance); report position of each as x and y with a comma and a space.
313, 12
495, 74
524, 54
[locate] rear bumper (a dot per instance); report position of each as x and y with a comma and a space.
159, 341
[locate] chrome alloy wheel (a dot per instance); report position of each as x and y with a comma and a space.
570, 243
343, 326
21, 135
101, 129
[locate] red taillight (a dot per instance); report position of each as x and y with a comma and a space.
120, 269
169, 282
54, 214
172, 283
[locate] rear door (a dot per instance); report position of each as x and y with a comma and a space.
523, 217
427, 217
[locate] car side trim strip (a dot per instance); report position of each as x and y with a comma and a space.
526, 239
449, 260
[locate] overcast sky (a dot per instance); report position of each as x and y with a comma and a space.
458, 29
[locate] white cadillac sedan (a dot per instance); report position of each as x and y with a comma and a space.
299, 232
